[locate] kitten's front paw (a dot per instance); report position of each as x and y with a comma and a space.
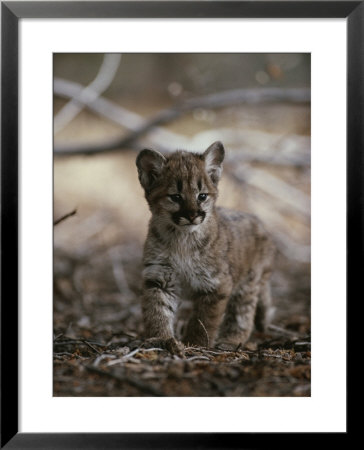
171, 344
228, 346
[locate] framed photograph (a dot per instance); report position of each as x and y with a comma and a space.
181, 213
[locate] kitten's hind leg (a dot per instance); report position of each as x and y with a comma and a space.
264, 311
205, 320
239, 316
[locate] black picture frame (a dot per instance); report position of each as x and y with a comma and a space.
11, 13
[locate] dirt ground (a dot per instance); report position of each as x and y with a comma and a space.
98, 350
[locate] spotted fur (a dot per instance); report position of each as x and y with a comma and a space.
220, 259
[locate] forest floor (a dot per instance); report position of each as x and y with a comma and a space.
97, 323
98, 350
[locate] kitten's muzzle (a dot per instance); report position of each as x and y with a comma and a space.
192, 215
195, 217
189, 217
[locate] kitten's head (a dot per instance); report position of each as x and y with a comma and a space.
181, 188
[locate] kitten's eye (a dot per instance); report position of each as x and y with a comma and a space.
202, 197
176, 198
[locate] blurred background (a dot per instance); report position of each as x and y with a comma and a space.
107, 107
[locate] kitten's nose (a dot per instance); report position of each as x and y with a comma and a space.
192, 215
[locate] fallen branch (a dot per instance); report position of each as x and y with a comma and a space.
199, 357
139, 126
261, 179
119, 273
66, 354
92, 347
282, 331
223, 99
271, 208
113, 112
104, 78
78, 342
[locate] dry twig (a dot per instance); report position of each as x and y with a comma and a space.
66, 216
207, 336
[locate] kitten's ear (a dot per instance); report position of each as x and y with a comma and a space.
150, 164
214, 157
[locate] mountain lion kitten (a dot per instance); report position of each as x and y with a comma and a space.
218, 258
